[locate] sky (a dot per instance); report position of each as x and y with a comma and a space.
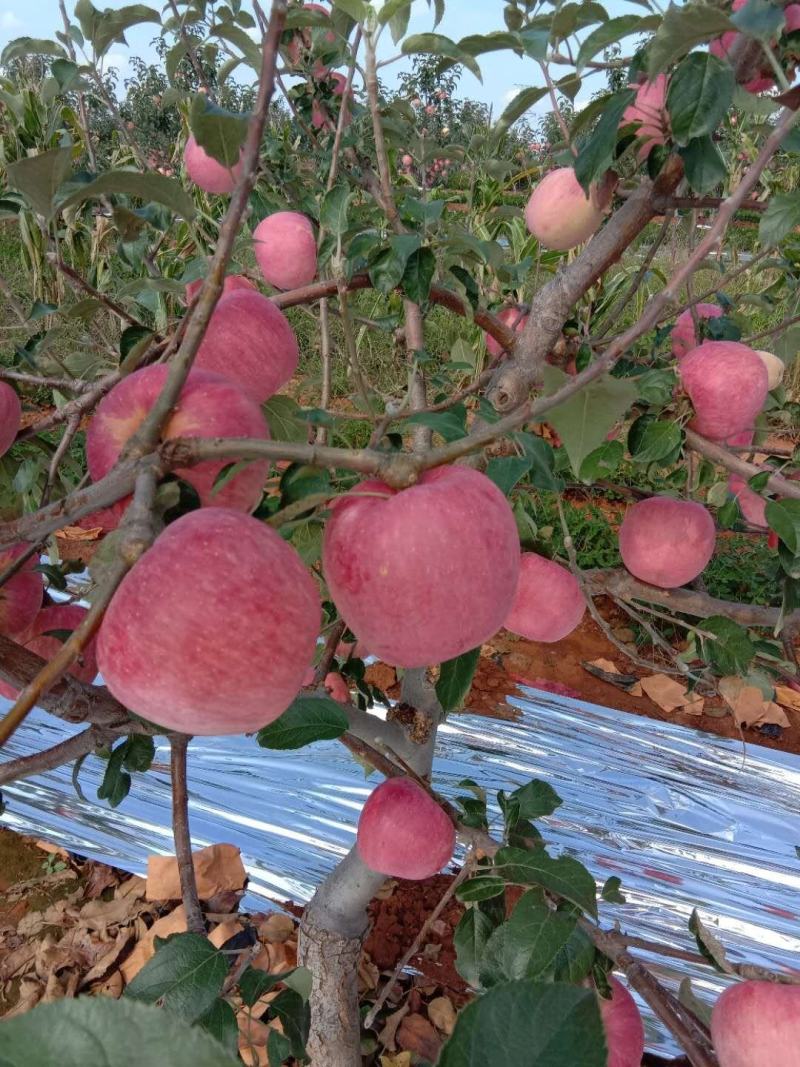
503, 72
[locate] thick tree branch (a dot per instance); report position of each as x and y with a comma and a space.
713, 451
49, 758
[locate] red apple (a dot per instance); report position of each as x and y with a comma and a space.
337, 688
666, 542
10, 413
727, 383
751, 504
320, 116
776, 368
286, 249
209, 406
425, 574
722, 46
21, 596
302, 39
649, 112
407, 160
549, 602
206, 172
403, 833
683, 336
757, 1024
213, 628
231, 284
623, 1027
559, 213
515, 319
251, 342
57, 617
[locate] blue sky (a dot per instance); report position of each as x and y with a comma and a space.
503, 72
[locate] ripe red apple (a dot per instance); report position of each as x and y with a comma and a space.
649, 112
251, 342
666, 542
683, 336
403, 833
302, 39
21, 596
776, 368
548, 604
407, 160
514, 318
10, 412
213, 628
356, 649
57, 617
206, 172
751, 504
727, 384
320, 116
337, 687
623, 1027
722, 46
424, 574
559, 214
231, 284
286, 249
209, 406
757, 1024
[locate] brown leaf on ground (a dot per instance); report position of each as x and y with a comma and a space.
101, 877
442, 1014
109, 987
386, 1038
30, 993
665, 692
100, 914
276, 958
77, 533
606, 665
368, 975
108, 959
30, 924
276, 928
416, 1034
133, 887
695, 705
402, 1059
224, 932
17, 961
174, 923
216, 868
787, 698
54, 850
748, 704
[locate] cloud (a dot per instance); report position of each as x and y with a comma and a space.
118, 61
9, 21
509, 94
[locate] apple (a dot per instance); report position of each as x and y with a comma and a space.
56, 617
212, 630
757, 1024
206, 172
407, 160
286, 249
251, 342
722, 46
776, 368
683, 336
303, 39
549, 602
10, 414
337, 688
320, 116
559, 213
751, 504
514, 318
622, 1025
403, 833
231, 284
666, 542
427, 573
727, 383
648, 111
208, 406
21, 595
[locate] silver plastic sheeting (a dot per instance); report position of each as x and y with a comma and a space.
684, 818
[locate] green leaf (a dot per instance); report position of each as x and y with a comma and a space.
602, 461
418, 275
656, 441
583, 421
783, 516
250, 49
563, 876
732, 652
543, 461
295, 1018
528, 1024
709, 946
506, 471
575, 960
109, 26
307, 719
279, 1048
391, 8
704, 164
38, 177
254, 984
682, 28
522, 102
455, 679
451, 424
656, 386
91, 1031
21, 47
334, 209
387, 268
149, 187
481, 887
116, 783
612, 31
220, 1022
469, 939
220, 133
139, 752
597, 153
699, 95
535, 41
610, 891
760, 19
535, 800
282, 414
780, 218
185, 975
436, 44
526, 945
356, 9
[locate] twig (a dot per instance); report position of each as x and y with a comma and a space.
197, 66
790, 321
325, 357
112, 305
562, 125
50, 758
334, 637
182, 835
70, 430
73, 385
81, 98
775, 483
12, 301
629, 294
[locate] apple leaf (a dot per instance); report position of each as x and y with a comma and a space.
185, 975
469, 938
455, 679
564, 876
583, 421
307, 719
527, 943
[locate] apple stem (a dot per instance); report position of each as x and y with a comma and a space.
182, 837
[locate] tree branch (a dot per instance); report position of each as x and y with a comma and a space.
50, 758
182, 835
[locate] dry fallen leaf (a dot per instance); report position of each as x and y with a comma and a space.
787, 697
77, 533
109, 987
276, 928
636, 690
748, 704
665, 692
133, 887
402, 1059
386, 1038
224, 932
30, 993
216, 868
54, 850
174, 923
442, 1014
694, 706
605, 665
109, 958
416, 1034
